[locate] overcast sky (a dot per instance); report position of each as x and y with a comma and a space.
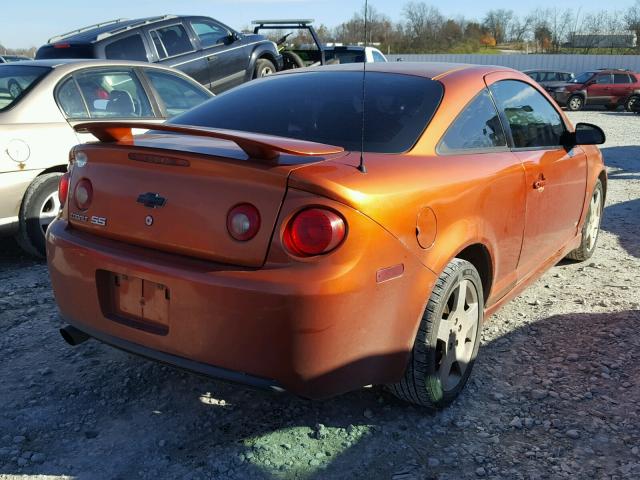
29, 23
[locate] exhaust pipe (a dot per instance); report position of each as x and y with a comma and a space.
73, 336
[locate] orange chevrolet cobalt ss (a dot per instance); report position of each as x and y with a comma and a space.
293, 234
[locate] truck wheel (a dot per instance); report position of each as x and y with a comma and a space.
591, 227
292, 60
447, 341
264, 68
575, 103
631, 101
40, 206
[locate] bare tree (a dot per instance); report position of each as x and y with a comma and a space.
498, 23
632, 20
423, 25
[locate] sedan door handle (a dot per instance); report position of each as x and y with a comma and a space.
540, 183
211, 58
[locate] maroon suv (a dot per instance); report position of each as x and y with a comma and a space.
610, 88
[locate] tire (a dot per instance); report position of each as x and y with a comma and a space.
591, 227
264, 68
14, 88
628, 105
292, 60
575, 103
424, 382
39, 207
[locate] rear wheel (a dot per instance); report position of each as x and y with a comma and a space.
264, 68
447, 342
631, 102
291, 60
40, 206
591, 227
575, 103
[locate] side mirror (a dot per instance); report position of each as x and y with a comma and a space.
586, 134
233, 37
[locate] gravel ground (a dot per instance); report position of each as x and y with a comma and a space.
555, 392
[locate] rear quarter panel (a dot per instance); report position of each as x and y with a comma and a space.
476, 198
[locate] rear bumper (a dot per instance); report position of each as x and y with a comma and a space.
180, 362
314, 332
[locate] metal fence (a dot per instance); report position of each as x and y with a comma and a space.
569, 63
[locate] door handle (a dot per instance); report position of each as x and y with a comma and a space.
211, 58
540, 183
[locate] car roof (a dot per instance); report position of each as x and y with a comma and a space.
67, 65
422, 69
93, 33
545, 70
59, 62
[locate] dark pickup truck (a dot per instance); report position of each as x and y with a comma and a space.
210, 52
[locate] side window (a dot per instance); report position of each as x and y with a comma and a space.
633, 79
128, 48
177, 94
533, 121
377, 57
209, 33
621, 78
173, 40
604, 78
478, 127
114, 94
70, 100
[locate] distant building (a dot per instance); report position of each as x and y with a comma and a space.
604, 40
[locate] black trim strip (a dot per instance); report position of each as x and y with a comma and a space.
181, 362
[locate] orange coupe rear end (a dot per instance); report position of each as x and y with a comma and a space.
253, 239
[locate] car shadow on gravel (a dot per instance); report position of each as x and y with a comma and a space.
624, 162
559, 385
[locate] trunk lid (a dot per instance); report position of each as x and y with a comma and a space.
200, 180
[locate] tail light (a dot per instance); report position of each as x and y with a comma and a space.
63, 189
243, 222
83, 194
314, 231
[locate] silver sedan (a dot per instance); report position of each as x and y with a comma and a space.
41, 101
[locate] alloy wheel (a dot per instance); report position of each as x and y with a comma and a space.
575, 103
457, 334
593, 222
48, 210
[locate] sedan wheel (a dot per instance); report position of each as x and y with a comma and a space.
40, 206
457, 334
575, 103
591, 227
48, 211
630, 103
447, 342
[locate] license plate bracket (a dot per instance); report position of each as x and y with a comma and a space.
137, 302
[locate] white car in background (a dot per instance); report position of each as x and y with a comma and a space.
41, 101
353, 54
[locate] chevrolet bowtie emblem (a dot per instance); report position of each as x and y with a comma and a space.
151, 200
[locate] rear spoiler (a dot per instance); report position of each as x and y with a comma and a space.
255, 145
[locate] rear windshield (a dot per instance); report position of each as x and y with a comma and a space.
65, 50
326, 107
15, 82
